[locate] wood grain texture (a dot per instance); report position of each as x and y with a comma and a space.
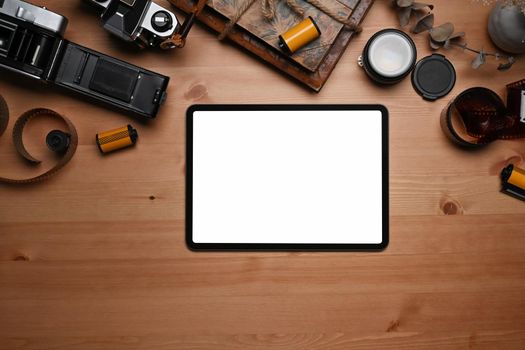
95, 257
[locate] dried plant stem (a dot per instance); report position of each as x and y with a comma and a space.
296, 8
443, 36
268, 9
240, 11
465, 47
480, 57
348, 22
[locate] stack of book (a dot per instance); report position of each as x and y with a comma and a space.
313, 63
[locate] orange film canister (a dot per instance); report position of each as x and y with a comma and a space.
513, 181
112, 140
299, 36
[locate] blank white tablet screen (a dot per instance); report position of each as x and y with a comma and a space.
295, 177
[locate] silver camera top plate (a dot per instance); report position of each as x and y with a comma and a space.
150, 13
39, 16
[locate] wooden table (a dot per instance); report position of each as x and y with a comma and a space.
95, 258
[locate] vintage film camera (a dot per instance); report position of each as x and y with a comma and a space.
32, 44
140, 21
144, 22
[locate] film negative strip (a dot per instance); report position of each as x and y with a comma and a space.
478, 116
18, 131
4, 115
516, 99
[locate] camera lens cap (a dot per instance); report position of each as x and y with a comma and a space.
58, 141
433, 77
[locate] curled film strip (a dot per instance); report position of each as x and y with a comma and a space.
18, 130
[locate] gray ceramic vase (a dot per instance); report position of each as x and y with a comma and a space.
507, 28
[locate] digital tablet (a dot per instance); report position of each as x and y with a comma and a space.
287, 177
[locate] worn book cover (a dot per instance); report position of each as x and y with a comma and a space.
310, 56
313, 64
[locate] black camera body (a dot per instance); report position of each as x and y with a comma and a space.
32, 44
140, 21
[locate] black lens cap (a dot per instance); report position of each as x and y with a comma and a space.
433, 77
58, 141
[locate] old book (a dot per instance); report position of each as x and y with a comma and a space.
310, 56
311, 69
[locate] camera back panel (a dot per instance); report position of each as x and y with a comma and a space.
110, 80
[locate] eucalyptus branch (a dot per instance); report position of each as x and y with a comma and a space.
442, 36
481, 55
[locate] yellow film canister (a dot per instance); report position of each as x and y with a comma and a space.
112, 140
513, 181
299, 36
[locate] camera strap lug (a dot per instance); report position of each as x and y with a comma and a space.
178, 40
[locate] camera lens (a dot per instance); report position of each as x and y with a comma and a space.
161, 21
389, 56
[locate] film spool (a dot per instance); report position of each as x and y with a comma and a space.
58, 141
473, 118
299, 35
513, 181
113, 140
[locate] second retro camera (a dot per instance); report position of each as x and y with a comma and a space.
140, 21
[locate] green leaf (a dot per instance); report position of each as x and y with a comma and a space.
456, 36
404, 3
479, 60
425, 23
442, 32
421, 14
404, 16
434, 45
507, 65
420, 6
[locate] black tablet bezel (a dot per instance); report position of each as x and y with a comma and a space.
285, 246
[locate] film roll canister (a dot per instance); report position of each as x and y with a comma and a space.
112, 140
513, 181
299, 35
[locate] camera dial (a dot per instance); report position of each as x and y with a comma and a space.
161, 21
